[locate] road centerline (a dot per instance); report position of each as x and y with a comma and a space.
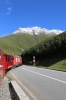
44, 75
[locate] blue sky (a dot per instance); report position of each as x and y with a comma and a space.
50, 14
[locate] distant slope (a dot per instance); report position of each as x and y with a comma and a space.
17, 43
48, 52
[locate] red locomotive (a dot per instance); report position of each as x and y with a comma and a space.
8, 61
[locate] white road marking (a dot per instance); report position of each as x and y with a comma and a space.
23, 86
44, 75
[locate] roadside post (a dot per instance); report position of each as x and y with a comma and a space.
34, 60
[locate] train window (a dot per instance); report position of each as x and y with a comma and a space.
10, 59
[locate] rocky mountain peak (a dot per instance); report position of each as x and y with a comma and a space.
36, 30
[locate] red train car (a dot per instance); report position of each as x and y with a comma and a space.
17, 60
6, 62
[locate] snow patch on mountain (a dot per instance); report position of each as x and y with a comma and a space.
37, 30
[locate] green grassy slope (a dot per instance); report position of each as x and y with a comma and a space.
16, 44
55, 63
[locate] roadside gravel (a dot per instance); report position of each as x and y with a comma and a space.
4, 91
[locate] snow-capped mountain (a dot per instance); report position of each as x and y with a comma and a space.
36, 30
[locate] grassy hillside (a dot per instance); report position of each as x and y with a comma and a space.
16, 44
50, 53
55, 63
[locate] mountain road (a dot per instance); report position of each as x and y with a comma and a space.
41, 83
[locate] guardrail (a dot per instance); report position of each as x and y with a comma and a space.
16, 92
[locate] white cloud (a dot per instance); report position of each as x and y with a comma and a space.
8, 7
9, 10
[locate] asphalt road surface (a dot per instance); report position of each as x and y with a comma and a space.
40, 83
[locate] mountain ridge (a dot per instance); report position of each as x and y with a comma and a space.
37, 30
